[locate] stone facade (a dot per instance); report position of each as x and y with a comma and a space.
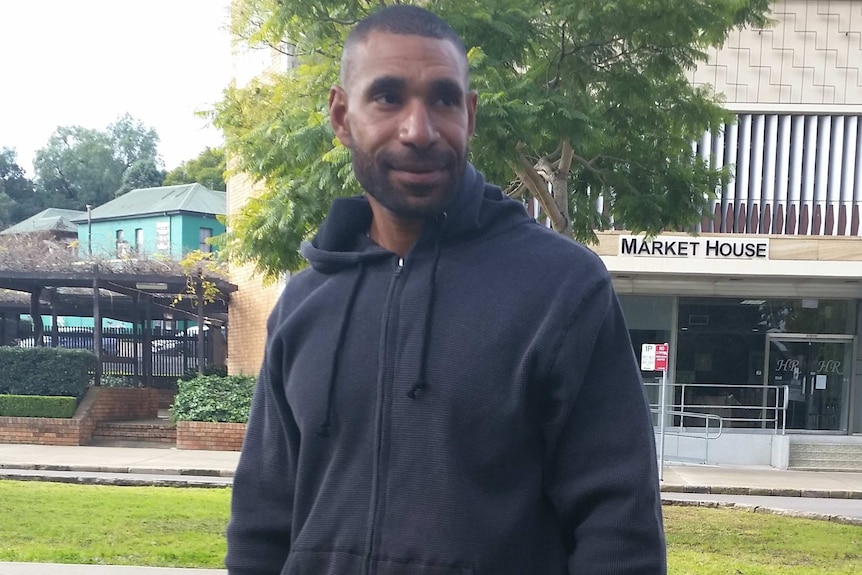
811, 55
251, 304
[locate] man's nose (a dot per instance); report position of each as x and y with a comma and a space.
418, 128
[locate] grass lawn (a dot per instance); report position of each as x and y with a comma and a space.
733, 541
96, 524
184, 527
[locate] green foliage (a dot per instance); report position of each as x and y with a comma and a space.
207, 169
143, 173
120, 381
37, 406
602, 85
214, 398
218, 370
80, 166
18, 197
45, 371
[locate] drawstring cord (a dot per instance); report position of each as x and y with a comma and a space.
323, 431
422, 381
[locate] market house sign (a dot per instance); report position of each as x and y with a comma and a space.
695, 247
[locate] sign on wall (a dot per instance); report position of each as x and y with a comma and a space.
163, 236
695, 247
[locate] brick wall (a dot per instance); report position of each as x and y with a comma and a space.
41, 430
122, 404
166, 398
251, 304
100, 404
209, 436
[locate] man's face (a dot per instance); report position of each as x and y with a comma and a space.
407, 116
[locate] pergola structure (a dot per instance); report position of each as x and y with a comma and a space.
137, 291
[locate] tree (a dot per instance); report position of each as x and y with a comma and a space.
132, 141
81, 166
207, 169
584, 105
18, 198
143, 173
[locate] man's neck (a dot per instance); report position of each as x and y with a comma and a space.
392, 233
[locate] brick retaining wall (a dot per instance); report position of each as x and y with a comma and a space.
41, 430
100, 404
210, 436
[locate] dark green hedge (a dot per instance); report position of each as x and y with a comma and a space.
225, 399
37, 406
45, 371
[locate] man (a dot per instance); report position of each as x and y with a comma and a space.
450, 388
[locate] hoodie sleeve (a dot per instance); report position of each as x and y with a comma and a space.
258, 535
601, 472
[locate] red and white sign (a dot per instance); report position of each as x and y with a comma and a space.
654, 357
661, 357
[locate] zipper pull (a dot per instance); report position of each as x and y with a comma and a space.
399, 265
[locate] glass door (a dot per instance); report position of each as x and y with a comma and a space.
816, 371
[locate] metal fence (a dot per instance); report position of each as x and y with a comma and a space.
172, 354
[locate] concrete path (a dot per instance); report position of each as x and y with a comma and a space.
61, 569
837, 510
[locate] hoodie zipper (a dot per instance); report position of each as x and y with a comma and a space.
385, 380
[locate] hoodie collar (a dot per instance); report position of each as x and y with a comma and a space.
335, 247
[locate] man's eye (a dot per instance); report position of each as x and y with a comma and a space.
448, 100
386, 98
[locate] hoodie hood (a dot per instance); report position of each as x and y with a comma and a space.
476, 209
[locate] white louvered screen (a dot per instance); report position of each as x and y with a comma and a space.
793, 174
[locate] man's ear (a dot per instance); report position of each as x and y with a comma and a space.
338, 115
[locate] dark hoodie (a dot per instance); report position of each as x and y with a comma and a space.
473, 409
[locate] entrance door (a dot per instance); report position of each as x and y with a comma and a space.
817, 373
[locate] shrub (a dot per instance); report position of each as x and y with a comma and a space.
225, 399
37, 406
192, 372
45, 371
120, 381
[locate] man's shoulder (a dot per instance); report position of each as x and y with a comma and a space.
541, 243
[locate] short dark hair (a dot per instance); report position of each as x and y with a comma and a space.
400, 19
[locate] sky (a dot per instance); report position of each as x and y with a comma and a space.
88, 62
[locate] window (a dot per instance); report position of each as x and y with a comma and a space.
139, 241
203, 234
122, 244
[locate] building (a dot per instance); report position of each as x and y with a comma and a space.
252, 303
761, 309
169, 221
56, 222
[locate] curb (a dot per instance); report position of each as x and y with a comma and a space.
188, 482
767, 510
108, 469
762, 491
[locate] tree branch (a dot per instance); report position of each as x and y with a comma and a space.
539, 188
515, 190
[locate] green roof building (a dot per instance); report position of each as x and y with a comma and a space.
168, 220
53, 220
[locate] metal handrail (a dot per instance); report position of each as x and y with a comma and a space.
680, 431
772, 413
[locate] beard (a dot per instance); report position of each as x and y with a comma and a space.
411, 202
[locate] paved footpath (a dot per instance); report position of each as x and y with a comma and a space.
57, 569
834, 496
